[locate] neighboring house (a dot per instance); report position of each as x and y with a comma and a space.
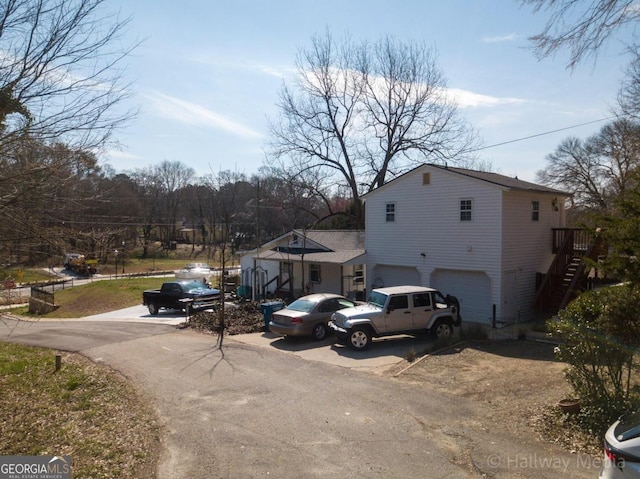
302, 262
482, 237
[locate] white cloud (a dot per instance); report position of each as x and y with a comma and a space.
192, 114
469, 99
278, 72
501, 39
120, 155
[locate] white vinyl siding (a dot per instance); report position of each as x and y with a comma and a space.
527, 245
388, 275
429, 234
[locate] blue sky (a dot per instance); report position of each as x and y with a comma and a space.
207, 75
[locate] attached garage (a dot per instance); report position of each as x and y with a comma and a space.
472, 288
391, 275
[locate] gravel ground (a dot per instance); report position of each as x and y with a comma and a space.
519, 382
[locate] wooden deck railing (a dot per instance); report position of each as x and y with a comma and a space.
571, 246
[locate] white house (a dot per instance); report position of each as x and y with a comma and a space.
303, 262
482, 237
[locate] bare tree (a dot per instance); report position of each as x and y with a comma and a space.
365, 113
598, 170
60, 72
173, 177
629, 94
228, 186
582, 26
61, 96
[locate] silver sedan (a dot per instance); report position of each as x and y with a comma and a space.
308, 315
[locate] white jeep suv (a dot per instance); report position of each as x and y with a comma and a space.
394, 310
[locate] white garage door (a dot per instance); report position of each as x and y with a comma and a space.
472, 288
387, 275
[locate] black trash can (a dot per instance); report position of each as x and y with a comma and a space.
268, 309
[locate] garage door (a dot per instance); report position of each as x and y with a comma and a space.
472, 288
387, 275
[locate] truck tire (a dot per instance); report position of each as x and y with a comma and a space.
442, 329
153, 309
359, 338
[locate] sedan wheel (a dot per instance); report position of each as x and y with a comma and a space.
153, 309
359, 339
319, 332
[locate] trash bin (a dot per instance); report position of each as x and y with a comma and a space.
268, 309
244, 292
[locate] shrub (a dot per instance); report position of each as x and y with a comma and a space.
599, 333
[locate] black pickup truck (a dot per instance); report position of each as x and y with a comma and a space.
180, 294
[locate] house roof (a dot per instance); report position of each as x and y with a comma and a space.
336, 239
333, 257
502, 181
338, 247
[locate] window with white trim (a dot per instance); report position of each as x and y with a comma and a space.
390, 211
535, 211
466, 208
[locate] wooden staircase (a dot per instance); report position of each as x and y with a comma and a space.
568, 274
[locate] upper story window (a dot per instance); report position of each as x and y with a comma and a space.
390, 212
535, 211
465, 210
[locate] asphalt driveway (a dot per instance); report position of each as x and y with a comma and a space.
269, 407
383, 353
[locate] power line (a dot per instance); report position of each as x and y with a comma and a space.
540, 134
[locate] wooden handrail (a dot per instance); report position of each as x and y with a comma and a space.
558, 264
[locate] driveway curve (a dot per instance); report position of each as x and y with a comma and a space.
255, 410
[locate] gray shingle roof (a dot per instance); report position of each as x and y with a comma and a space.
497, 179
502, 180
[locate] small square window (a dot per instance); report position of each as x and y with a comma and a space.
465, 210
535, 211
390, 212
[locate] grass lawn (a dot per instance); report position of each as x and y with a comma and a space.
84, 410
99, 296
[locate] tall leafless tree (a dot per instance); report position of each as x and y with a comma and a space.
61, 98
598, 170
61, 71
581, 26
365, 113
229, 200
173, 177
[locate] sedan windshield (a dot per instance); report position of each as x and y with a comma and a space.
302, 305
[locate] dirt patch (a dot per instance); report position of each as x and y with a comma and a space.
241, 318
518, 382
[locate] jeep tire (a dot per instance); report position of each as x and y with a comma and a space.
442, 329
359, 338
